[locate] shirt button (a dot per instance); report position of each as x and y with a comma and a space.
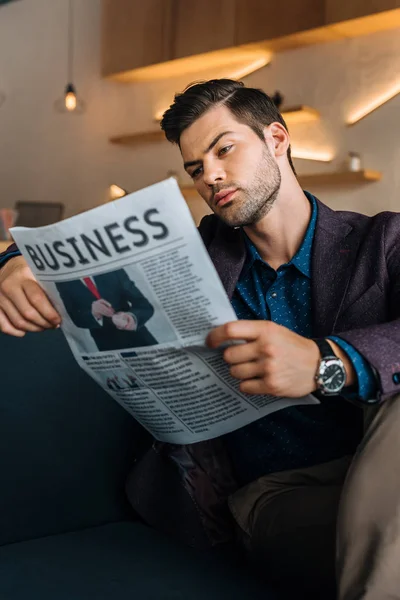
274, 295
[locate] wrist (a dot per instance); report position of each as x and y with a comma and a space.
10, 254
331, 372
351, 376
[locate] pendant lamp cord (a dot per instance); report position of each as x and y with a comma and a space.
70, 40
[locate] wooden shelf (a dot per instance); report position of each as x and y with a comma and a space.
189, 191
292, 115
300, 114
142, 137
339, 178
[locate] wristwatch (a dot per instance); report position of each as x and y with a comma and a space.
331, 374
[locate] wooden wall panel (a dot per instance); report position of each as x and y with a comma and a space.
342, 10
135, 33
266, 19
203, 26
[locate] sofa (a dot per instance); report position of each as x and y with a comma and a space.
67, 531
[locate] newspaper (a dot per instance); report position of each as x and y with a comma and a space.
138, 294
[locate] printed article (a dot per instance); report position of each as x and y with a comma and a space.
138, 294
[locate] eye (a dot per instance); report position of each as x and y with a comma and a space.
224, 150
196, 173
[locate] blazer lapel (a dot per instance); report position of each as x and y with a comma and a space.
228, 253
334, 252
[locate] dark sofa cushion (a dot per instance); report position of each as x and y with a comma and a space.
118, 561
65, 445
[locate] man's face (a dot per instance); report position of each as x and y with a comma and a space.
232, 168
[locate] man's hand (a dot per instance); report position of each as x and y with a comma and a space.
102, 308
24, 306
125, 321
273, 360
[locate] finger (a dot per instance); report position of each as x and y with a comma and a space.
105, 302
248, 370
252, 386
8, 328
21, 312
17, 320
240, 353
39, 300
235, 330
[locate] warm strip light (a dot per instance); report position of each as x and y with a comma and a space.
300, 114
117, 192
312, 155
372, 105
236, 73
159, 115
206, 65
245, 70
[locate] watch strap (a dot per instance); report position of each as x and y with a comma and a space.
324, 348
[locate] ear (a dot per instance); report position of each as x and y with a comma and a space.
277, 139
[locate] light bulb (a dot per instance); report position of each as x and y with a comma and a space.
117, 192
70, 101
70, 97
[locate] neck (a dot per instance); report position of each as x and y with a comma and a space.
279, 234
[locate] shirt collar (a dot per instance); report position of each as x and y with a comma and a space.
302, 259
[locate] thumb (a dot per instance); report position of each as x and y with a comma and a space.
105, 302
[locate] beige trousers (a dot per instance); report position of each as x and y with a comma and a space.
337, 521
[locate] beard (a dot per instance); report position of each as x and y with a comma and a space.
255, 201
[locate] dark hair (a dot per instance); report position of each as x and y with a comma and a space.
250, 106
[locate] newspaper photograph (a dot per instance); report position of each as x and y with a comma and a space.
138, 295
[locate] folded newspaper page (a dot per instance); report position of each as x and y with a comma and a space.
138, 294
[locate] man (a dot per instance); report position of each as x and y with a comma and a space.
111, 307
295, 270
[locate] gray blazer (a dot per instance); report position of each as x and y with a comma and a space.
355, 284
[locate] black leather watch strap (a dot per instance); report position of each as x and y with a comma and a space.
324, 348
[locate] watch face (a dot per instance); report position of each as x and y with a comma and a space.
333, 377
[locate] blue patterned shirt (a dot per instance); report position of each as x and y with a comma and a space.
297, 436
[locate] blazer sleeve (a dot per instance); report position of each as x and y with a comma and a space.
141, 307
79, 310
380, 344
11, 251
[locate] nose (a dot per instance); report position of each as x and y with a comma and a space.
213, 173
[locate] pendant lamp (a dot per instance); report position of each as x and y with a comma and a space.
116, 192
70, 102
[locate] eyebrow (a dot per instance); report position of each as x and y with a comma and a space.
215, 141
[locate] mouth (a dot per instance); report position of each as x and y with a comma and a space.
224, 196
